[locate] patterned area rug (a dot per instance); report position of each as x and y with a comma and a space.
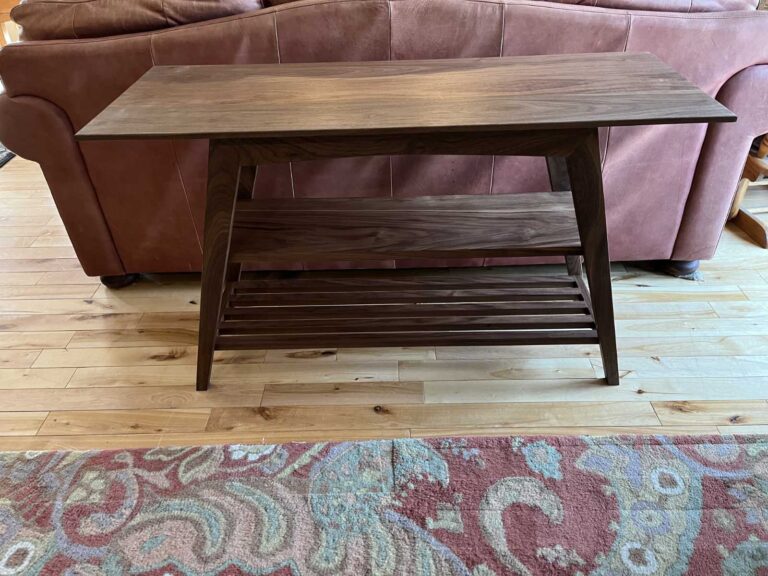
464, 506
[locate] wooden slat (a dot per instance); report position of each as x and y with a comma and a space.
372, 339
446, 323
508, 204
423, 310
405, 279
440, 308
369, 229
238, 303
408, 308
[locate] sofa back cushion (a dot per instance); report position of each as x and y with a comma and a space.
62, 19
687, 6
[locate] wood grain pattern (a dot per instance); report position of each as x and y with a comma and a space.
560, 91
64, 423
734, 413
259, 151
223, 179
424, 227
408, 308
399, 416
585, 174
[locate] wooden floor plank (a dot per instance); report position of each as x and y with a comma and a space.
140, 356
267, 373
34, 340
406, 416
218, 438
132, 337
65, 423
20, 278
692, 345
112, 305
522, 368
579, 390
68, 277
18, 358
79, 443
151, 398
731, 413
47, 291
682, 367
67, 322
691, 327
343, 393
19, 379
368, 354
564, 431
21, 423
680, 293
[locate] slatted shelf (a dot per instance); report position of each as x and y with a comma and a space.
323, 230
483, 306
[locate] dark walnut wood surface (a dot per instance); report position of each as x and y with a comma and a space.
519, 93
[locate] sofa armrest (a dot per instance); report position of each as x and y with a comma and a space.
39, 131
721, 163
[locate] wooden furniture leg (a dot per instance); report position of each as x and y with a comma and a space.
586, 179
754, 177
223, 176
246, 181
561, 182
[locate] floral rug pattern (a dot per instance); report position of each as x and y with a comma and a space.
463, 506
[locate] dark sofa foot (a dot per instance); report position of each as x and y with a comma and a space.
117, 282
681, 268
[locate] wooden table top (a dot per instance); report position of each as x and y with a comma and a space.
480, 94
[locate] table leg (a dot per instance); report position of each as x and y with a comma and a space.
559, 181
223, 175
587, 186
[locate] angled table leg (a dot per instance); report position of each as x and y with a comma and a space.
561, 182
223, 175
587, 186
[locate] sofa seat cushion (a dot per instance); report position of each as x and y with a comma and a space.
64, 19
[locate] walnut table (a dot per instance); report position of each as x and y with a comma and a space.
548, 106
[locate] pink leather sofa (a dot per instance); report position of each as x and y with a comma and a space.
133, 207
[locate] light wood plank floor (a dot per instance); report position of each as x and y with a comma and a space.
83, 367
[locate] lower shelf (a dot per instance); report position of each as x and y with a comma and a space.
451, 307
